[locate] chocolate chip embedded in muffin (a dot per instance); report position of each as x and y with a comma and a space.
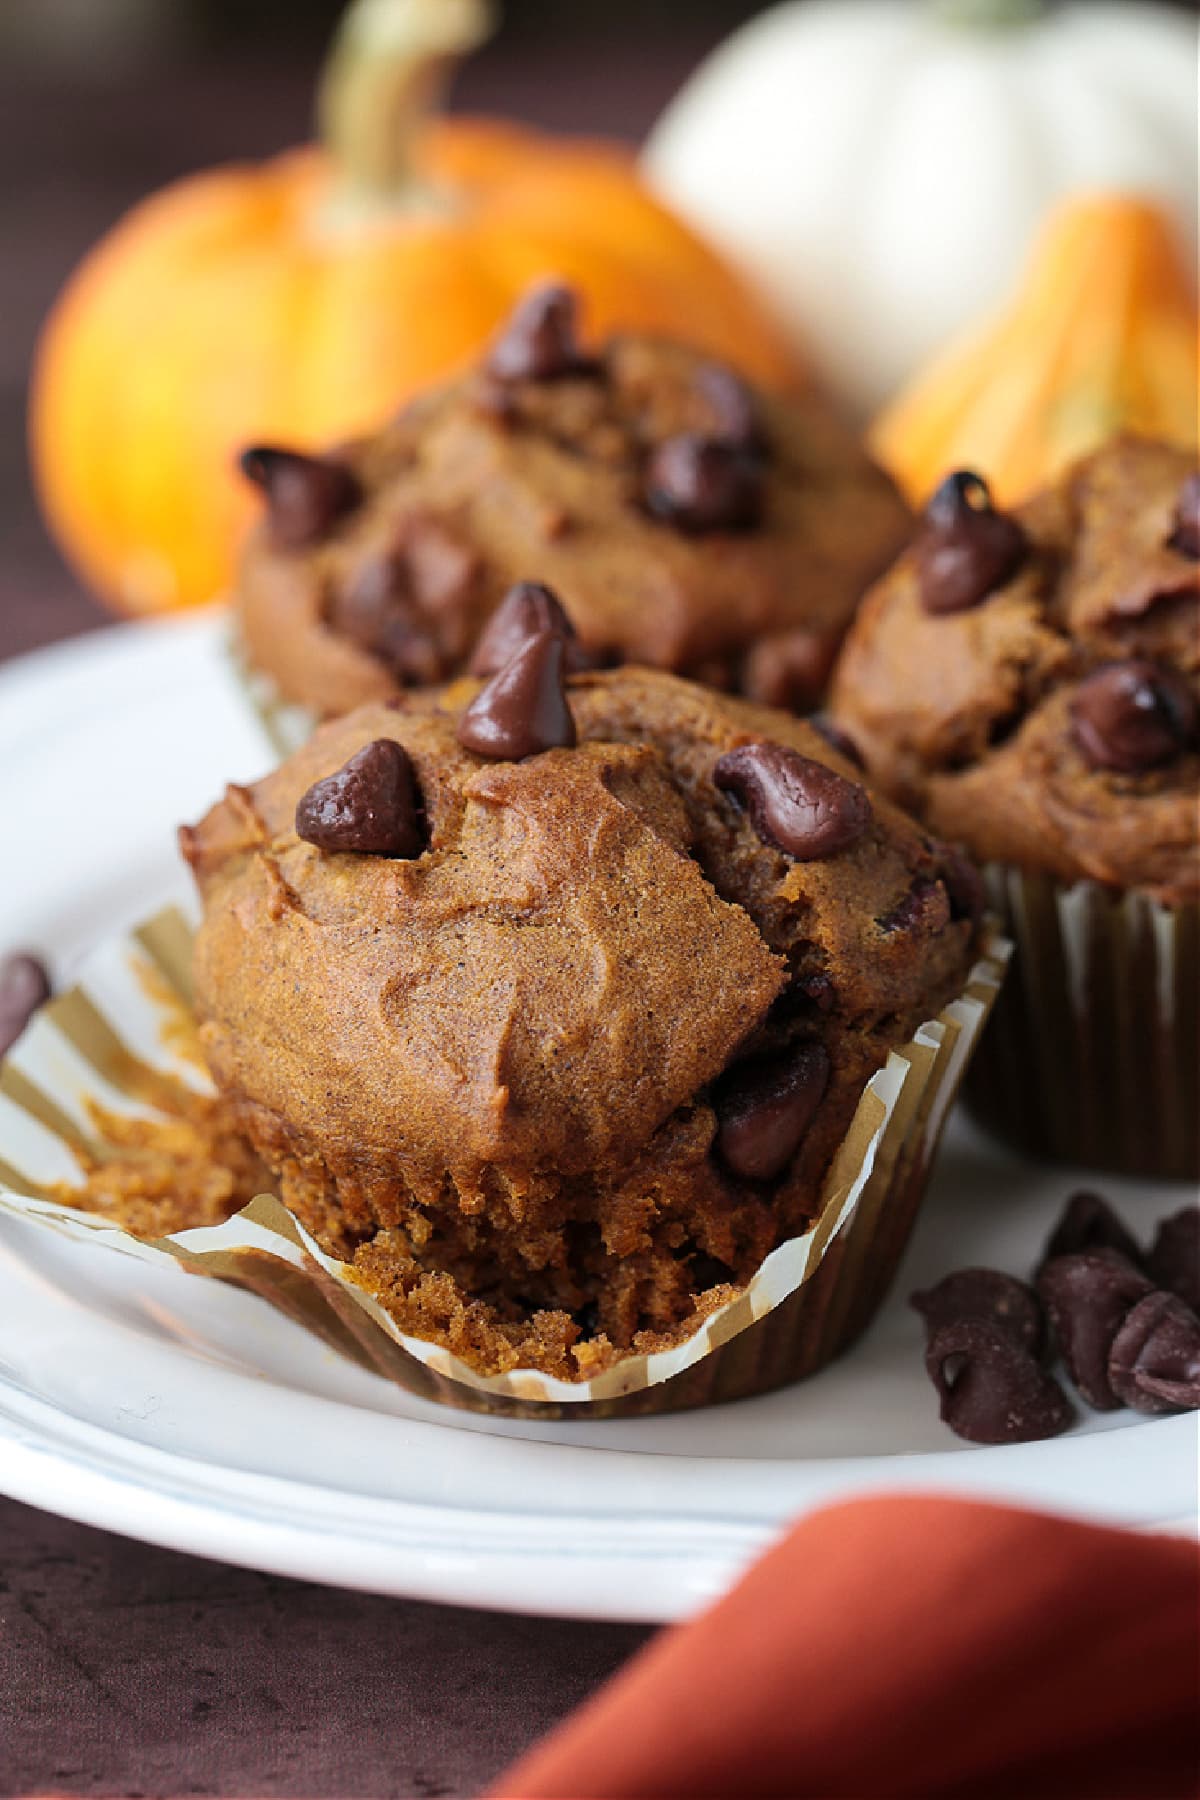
523, 709
1133, 716
682, 519
526, 610
305, 495
800, 806
596, 1040
369, 806
965, 549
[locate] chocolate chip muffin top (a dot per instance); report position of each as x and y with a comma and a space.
1028, 684
685, 521
564, 986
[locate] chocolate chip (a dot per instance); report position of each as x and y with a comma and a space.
790, 669
764, 1108
305, 495
1131, 716
1154, 1364
376, 611
925, 908
1185, 532
526, 610
523, 708
539, 341
369, 805
734, 413
992, 1389
965, 549
986, 1294
837, 739
1086, 1297
1088, 1222
797, 805
24, 987
699, 484
1174, 1259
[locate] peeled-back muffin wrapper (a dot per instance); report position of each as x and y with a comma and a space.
1093, 1055
125, 1036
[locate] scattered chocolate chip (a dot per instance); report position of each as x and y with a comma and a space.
699, 484
369, 805
523, 708
305, 495
24, 987
764, 1108
965, 549
925, 908
1174, 1259
734, 413
526, 609
986, 1294
1185, 532
1133, 715
800, 806
1154, 1364
539, 342
963, 884
992, 1389
1088, 1222
837, 739
1086, 1297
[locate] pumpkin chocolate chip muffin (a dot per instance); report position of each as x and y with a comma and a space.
549, 1000
685, 521
1029, 684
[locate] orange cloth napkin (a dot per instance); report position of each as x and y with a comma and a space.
904, 1646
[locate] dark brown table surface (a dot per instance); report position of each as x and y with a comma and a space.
135, 1671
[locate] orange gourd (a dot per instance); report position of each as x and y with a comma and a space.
1101, 337
301, 300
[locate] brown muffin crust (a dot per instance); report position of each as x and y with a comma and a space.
487, 482
495, 1075
970, 717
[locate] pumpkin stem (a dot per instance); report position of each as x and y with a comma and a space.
390, 64
987, 15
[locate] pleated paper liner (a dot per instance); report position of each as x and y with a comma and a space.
1093, 1054
123, 1041
287, 726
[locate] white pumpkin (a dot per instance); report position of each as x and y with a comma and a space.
880, 166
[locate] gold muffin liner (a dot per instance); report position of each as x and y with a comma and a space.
1093, 1053
124, 1038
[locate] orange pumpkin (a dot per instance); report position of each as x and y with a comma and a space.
299, 301
1101, 337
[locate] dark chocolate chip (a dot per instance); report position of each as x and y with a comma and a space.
539, 341
837, 739
986, 1294
526, 609
523, 708
799, 806
965, 549
764, 1108
925, 908
963, 884
1131, 716
1185, 526
369, 805
734, 413
305, 495
376, 611
992, 1389
1086, 1297
1174, 1259
791, 669
24, 987
1154, 1364
699, 484
1088, 1222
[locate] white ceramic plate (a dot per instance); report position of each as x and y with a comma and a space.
194, 1416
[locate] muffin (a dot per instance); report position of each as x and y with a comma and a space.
1028, 684
550, 1001
685, 522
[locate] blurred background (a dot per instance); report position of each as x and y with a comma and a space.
103, 100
